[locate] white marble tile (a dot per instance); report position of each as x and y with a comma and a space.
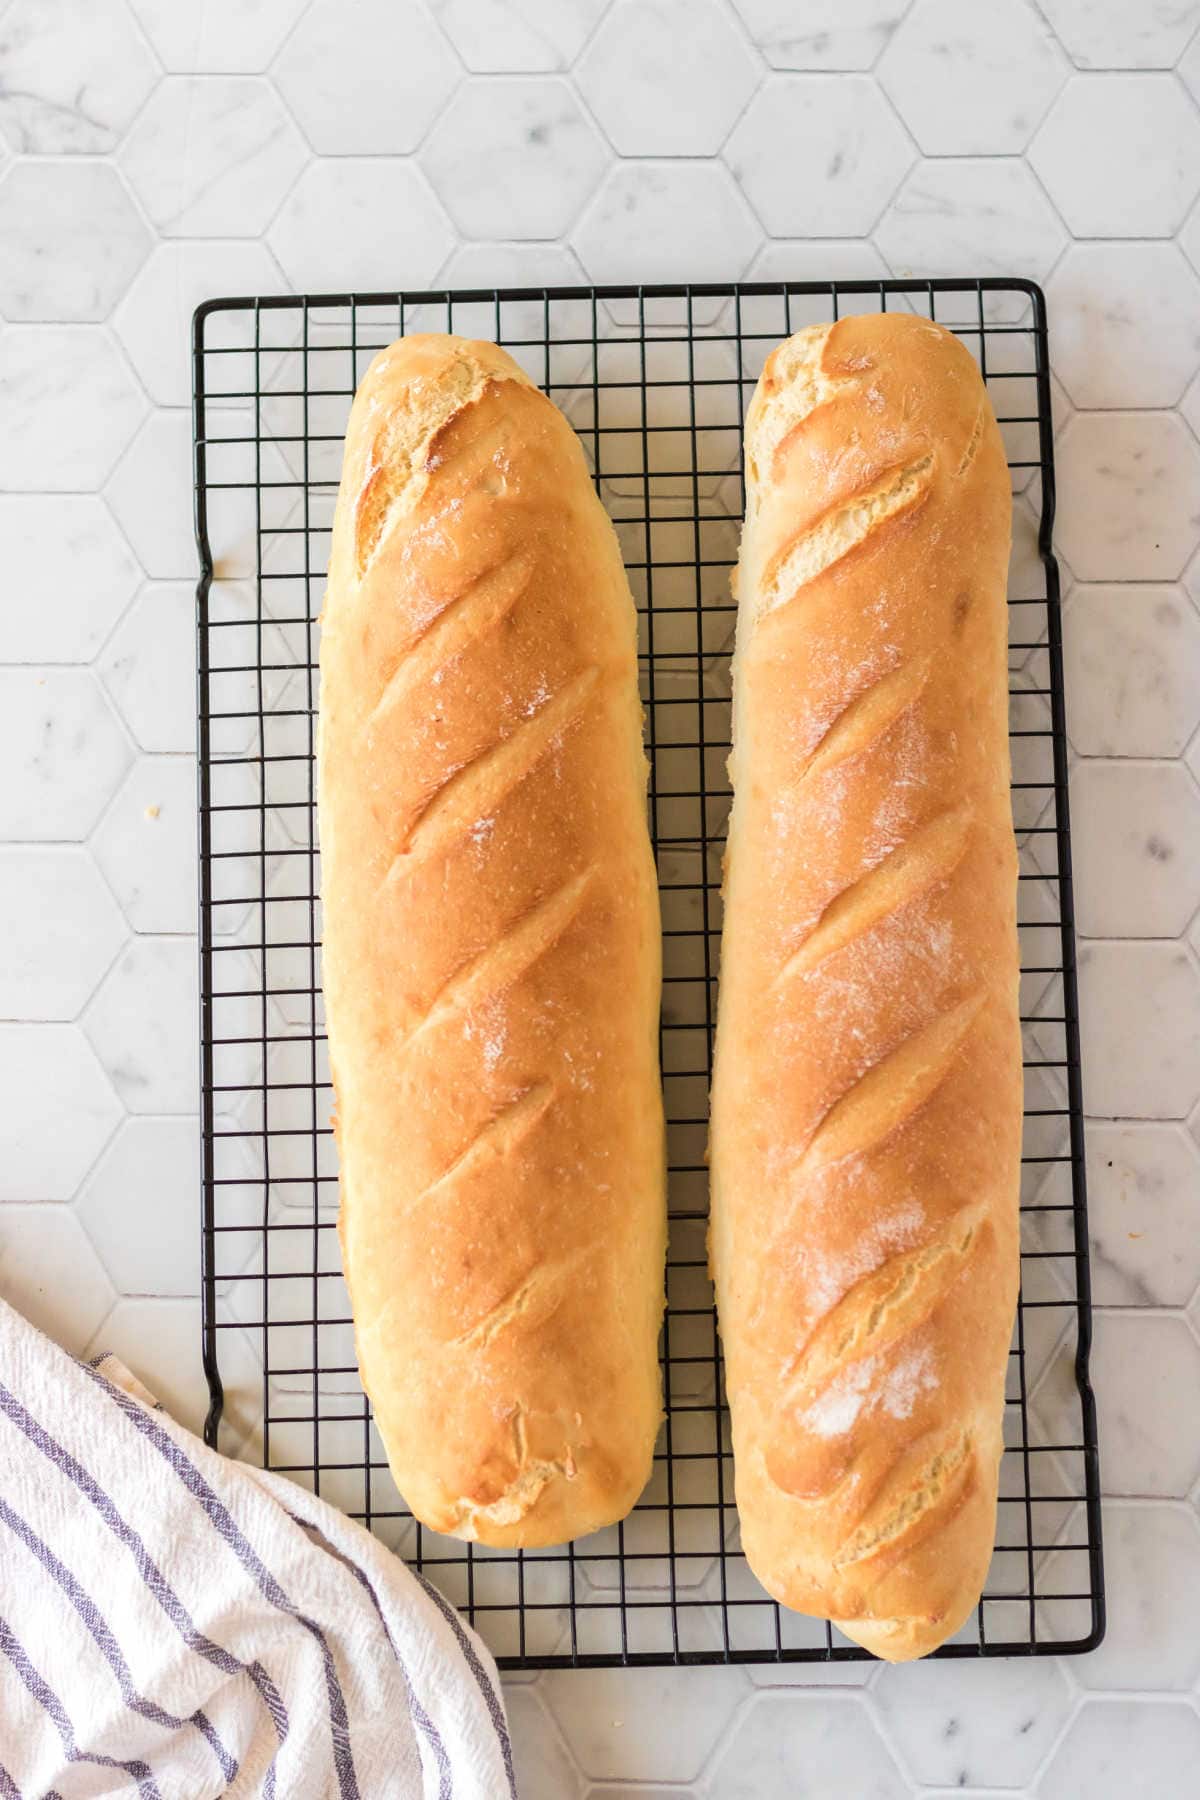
1128, 496
70, 576
512, 265
517, 36
1143, 1214
146, 844
59, 931
364, 221
159, 1341
1135, 829
148, 667
821, 34
232, 513
141, 1207
1152, 1586
1120, 155
1189, 406
1061, 412
37, 1244
234, 37
543, 1765
622, 1724
818, 156
1053, 1412
1111, 34
144, 1028
1188, 238
639, 1790
666, 221
811, 1675
154, 320
958, 1728
667, 79
63, 750
514, 158
72, 237
75, 73
59, 1111
1146, 1373
69, 404
150, 492
1132, 663
1132, 995
1122, 336
972, 81
351, 104
837, 259
1026, 573
1189, 63
1134, 1749
780, 1739
970, 218
1126, 324
212, 156
522, 264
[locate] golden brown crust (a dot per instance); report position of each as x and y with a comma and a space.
867, 1096
491, 954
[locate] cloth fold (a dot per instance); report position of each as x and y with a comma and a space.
178, 1626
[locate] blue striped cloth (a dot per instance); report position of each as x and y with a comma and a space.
175, 1626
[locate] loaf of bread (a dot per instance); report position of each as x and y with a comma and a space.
867, 1096
491, 956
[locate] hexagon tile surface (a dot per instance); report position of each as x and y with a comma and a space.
377, 104
1125, 1748
59, 930
643, 215
667, 80
146, 667
70, 407
64, 752
220, 37
1120, 155
371, 217
1133, 669
822, 34
514, 158
845, 138
75, 74
1011, 70
73, 240
155, 154
154, 320
73, 570
212, 156
1021, 1712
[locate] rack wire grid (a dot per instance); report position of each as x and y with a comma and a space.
655, 381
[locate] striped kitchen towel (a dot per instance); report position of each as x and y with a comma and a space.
174, 1625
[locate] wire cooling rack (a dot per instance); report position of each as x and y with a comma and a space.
655, 380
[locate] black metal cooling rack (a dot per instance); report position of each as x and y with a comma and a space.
655, 380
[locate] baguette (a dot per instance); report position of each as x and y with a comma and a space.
491, 955
867, 1093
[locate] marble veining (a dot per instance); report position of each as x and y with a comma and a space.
1143, 1213
154, 154
73, 240
215, 155
520, 165
75, 74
